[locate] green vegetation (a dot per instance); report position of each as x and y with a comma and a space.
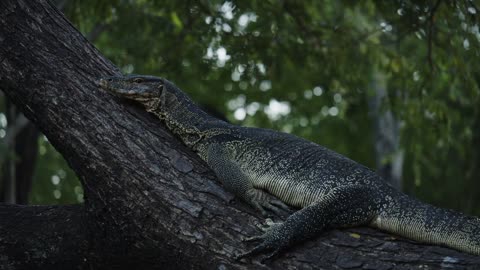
307, 67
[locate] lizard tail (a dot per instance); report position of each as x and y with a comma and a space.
426, 223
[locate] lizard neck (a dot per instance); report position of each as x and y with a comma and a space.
185, 119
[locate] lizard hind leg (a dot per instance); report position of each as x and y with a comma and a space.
239, 183
344, 206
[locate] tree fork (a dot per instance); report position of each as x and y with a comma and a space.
150, 202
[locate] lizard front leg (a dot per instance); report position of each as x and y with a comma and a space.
344, 206
237, 182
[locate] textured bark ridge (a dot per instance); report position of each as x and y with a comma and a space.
150, 202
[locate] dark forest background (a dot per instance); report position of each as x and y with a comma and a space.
393, 85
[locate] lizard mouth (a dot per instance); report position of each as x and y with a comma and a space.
139, 92
106, 84
103, 83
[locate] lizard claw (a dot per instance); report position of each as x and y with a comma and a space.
260, 249
262, 202
253, 238
281, 205
270, 256
267, 225
256, 250
268, 241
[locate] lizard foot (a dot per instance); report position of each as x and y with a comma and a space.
271, 240
264, 227
262, 202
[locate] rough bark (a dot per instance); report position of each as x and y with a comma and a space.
27, 234
150, 202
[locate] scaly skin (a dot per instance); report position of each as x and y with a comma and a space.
331, 190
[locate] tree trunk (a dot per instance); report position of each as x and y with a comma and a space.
26, 148
9, 168
388, 154
16, 173
150, 202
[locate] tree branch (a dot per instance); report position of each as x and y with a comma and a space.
150, 202
59, 237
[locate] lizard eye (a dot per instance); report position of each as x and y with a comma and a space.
137, 80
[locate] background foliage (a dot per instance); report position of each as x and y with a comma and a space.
307, 67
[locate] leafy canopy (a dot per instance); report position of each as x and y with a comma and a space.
307, 67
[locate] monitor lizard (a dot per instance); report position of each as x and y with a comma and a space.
331, 190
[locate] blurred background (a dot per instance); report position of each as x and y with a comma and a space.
393, 85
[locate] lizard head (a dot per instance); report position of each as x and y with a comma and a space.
141, 88
165, 100
157, 95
